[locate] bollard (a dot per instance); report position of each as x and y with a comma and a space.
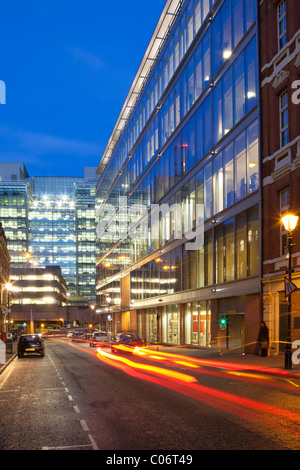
2, 352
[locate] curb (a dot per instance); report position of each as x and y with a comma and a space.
3, 367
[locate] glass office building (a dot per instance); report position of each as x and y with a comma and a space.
85, 236
15, 198
187, 143
52, 225
44, 219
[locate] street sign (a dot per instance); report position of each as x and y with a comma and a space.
6, 310
289, 287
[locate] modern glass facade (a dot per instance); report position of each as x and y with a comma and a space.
85, 239
191, 146
52, 231
15, 198
52, 220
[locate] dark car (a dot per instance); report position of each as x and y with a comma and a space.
130, 340
29, 344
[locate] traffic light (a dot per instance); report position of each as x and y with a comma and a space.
223, 322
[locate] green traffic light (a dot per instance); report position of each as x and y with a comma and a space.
223, 323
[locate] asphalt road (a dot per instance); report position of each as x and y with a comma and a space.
73, 400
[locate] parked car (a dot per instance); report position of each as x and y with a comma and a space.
130, 340
99, 337
29, 344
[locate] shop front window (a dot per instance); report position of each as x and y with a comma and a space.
170, 324
152, 322
197, 323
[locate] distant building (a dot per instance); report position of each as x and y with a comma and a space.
15, 199
38, 286
50, 220
39, 301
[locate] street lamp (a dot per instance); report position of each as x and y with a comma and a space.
289, 221
8, 287
92, 307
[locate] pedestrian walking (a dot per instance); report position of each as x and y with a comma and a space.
263, 339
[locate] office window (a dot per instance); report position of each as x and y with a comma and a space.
241, 245
216, 49
226, 31
190, 77
253, 241
229, 271
240, 167
252, 158
250, 75
198, 72
208, 258
239, 89
217, 113
229, 176
227, 119
208, 199
199, 134
219, 254
281, 24
206, 55
190, 149
238, 25
199, 194
218, 183
250, 13
284, 118
207, 125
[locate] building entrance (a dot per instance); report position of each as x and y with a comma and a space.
236, 331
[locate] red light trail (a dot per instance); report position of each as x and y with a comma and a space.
188, 385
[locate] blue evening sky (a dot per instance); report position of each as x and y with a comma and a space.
67, 67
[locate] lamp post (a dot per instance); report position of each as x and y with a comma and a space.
289, 221
8, 287
92, 307
108, 301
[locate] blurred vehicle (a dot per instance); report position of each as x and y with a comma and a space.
29, 344
99, 337
126, 340
79, 335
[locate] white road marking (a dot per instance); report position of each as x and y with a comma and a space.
84, 425
95, 447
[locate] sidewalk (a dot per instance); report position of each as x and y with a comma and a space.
9, 356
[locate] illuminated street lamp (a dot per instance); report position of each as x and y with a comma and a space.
92, 307
8, 287
289, 221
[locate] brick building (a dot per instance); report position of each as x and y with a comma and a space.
4, 279
280, 156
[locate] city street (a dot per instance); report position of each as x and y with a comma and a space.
77, 398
